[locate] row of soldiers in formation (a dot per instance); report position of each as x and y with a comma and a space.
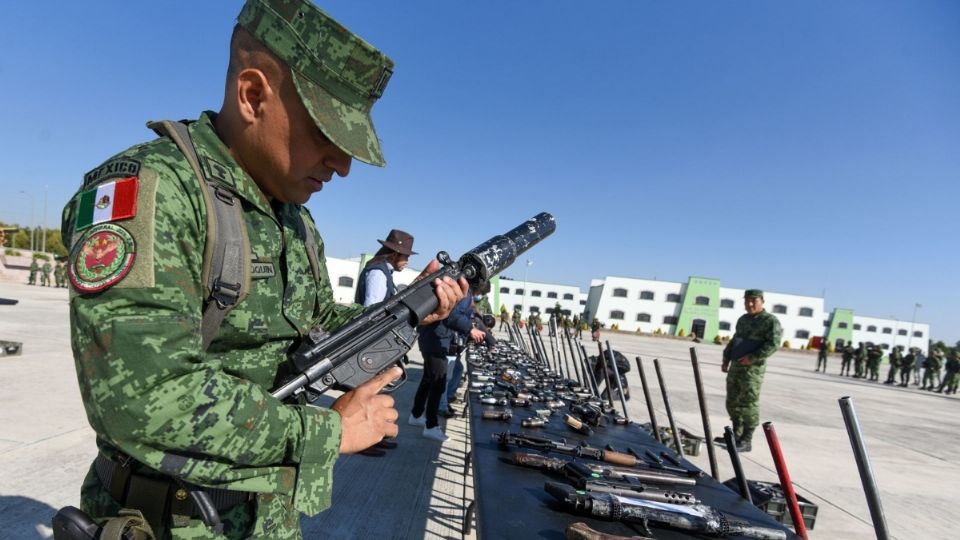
43, 272
866, 359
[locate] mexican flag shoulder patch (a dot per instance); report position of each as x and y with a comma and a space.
110, 201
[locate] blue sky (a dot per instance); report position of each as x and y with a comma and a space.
803, 147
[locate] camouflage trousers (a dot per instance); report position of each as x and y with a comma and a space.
743, 396
270, 516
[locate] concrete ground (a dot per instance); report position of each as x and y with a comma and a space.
419, 489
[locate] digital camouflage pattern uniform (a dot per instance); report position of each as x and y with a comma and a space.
34, 269
744, 382
45, 274
59, 276
149, 389
895, 358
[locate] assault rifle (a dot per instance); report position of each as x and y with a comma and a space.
697, 518
382, 334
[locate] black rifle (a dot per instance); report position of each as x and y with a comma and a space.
606, 472
695, 518
563, 447
382, 334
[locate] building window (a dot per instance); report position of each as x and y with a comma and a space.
517, 307
887, 330
646, 295
842, 325
726, 303
826, 324
534, 309
673, 297
856, 326
884, 346
583, 302
918, 334
703, 301
724, 325
345, 281
871, 328
643, 317
567, 296
616, 315
806, 312
551, 294
901, 332
518, 291
803, 334
620, 293
780, 308
504, 290
669, 319
535, 293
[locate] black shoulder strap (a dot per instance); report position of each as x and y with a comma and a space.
226, 253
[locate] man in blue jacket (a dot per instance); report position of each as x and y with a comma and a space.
437, 342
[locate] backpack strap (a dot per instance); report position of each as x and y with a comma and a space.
226, 253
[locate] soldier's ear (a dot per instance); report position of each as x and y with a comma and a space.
253, 92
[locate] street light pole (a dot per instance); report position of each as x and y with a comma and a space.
912, 320
44, 223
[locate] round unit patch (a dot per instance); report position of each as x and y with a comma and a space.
101, 258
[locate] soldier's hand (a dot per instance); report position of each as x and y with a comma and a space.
448, 292
366, 416
477, 335
725, 366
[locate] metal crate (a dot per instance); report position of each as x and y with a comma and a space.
769, 498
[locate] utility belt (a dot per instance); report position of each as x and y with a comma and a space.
163, 500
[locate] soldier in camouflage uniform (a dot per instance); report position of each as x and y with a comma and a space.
906, 366
822, 355
859, 361
895, 357
952, 375
165, 408
931, 371
757, 336
34, 269
846, 358
874, 357
58, 275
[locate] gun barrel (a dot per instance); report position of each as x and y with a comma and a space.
491, 257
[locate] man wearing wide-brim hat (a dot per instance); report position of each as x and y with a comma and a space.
757, 337
376, 280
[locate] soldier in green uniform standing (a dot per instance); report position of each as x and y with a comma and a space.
757, 336
906, 366
45, 274
895, 358
874, 357
950, 378
822, 355
58, 275
931, 371
170, 403
846, 358
34, 269
504, 317
859, 361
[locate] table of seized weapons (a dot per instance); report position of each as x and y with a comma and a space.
553, 458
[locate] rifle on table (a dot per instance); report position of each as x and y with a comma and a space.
697, 518
563, 447
612, 480
382, 334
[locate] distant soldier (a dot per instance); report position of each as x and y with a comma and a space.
595, 329
847, 357
483, 305
952, 376
822, 355
34, 268
59, 275
577, 331
906, 366
896, 357
859, 361
931, 371
918, 364
45, 275
504, 317
874, 357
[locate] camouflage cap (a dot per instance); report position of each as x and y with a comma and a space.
338, 75
753, 292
